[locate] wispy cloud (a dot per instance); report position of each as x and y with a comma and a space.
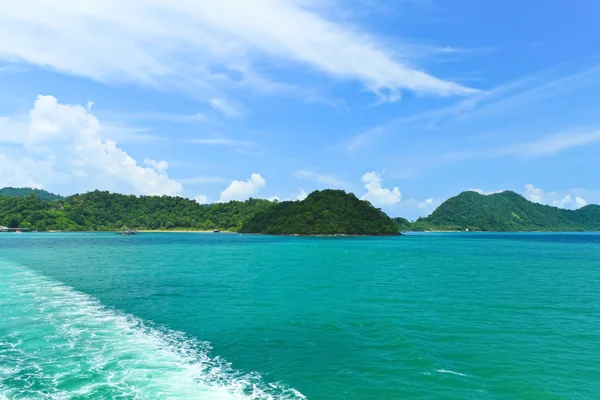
227, 108
513, 96
125, 134
223, 142
542, 147
551, 145
14, 130
207, 48
198, 117
197, 180
327, 180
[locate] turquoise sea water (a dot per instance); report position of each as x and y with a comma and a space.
223, 316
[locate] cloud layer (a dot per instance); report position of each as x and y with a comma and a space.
205, 47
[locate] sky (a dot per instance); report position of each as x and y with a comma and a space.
403, 103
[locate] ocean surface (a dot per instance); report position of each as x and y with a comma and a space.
224, 316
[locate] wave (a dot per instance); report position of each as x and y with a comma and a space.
58, 343
447, 371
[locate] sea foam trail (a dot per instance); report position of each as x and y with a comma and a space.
58, 343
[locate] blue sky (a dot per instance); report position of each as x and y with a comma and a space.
403, 103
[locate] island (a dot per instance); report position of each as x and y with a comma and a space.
325, 212
505, 212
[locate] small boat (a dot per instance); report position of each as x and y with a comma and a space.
216, 231
127, 232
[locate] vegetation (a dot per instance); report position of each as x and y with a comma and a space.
25, 192
327, 212
322, 212
404, 224
508, 212
100, 211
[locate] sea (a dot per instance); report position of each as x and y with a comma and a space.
228, 316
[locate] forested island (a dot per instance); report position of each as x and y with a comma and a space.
323, 212
505, 212
326, 212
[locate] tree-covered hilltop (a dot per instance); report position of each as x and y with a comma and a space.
403, 223
25, 192
507, 212
99, 211
326, 212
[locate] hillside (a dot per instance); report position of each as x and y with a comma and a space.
99, 211
506, 211
326, 212
24, 192
403, 223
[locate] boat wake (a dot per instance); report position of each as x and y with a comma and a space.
58, 343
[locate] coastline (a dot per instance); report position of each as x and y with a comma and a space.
179, 231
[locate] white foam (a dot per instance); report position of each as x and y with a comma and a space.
446, 371
122, 353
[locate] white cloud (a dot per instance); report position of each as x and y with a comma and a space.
242, 190
426, 204
22, 173
65, 151
564, 202
579, 202
483, 192
201, 199
568, 200
330, 181
159, 166
301, 195
226, 107
534, 194
376, 194
206, 47
12, 130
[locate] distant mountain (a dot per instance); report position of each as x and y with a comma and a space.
509, 212
24, 192
326, 212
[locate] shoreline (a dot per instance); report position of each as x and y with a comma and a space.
177, 231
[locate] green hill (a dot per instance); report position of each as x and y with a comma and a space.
326, 212
24, 192
403, 223
506, 211
100, 211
